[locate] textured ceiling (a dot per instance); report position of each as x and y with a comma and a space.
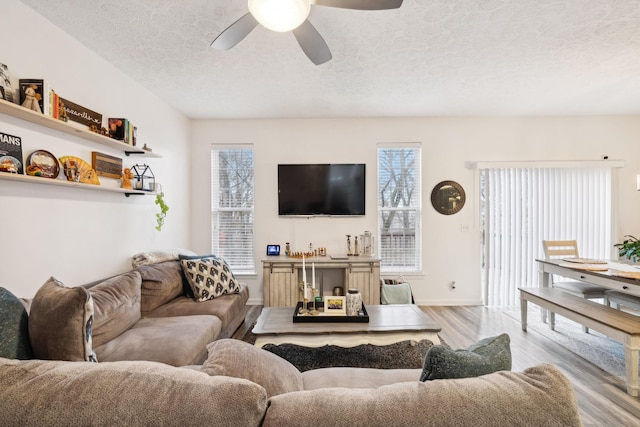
428, 58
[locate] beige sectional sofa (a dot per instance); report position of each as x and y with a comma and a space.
142, 318
142, 314
240, 385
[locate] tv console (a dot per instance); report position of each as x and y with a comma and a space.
282, 277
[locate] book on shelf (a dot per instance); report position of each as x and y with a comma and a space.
11, 154
6, 90
122, 130
35, 94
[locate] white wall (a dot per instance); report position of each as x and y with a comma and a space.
450, 254
80, 235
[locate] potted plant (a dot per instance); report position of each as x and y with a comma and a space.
163, 210
629, 248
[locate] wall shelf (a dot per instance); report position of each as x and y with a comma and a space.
22, 113
63, 183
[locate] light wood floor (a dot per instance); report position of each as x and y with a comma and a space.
601, 397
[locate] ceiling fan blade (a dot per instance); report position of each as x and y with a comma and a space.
312, 43
360, 4
235, 33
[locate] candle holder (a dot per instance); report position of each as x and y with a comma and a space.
314, 311
303, 311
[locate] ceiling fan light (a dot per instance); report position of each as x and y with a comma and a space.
280, 15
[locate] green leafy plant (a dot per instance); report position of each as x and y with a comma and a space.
629, 248
163, 210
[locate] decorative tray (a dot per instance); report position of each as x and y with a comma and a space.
327, 318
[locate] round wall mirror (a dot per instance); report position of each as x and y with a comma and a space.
448, 197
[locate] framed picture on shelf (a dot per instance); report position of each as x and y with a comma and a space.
335, 306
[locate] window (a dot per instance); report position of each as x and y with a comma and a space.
521, 207
232, 206
399, 208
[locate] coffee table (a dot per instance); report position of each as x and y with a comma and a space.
388, 324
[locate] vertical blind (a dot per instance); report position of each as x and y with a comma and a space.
399, 208
232, 201
521, 207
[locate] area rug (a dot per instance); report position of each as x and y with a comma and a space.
401, 355
602, 351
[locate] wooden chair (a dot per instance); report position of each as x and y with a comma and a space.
561, 249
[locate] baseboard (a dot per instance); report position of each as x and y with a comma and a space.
448, 302
457, 302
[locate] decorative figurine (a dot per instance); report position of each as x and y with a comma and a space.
31, 98
348, 244
62, 112
127, 176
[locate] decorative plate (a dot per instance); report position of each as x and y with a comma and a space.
45, 162
78, 170
10, 164
626, 274
588, 267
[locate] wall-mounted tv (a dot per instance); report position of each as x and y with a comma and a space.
321, 189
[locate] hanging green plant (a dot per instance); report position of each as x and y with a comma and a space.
629, 248
163, 210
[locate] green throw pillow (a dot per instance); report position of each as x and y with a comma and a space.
484, 357
14, 329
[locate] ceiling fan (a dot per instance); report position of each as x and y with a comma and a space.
291, 15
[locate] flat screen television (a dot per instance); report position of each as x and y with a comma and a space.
321, 189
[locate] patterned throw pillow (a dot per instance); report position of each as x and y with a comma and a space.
484, 357
60, 322
209, 278
185, 283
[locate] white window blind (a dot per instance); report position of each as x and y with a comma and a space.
521, 207
399, 208
232, 200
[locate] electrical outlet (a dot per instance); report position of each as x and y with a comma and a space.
452, 285
464, 228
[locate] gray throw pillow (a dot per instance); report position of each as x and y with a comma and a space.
235, 358
14, 329
484, 357
60, 323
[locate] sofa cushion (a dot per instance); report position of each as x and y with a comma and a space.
116, 303
14, 327
484, 357
209, 278
539, 396
230, 309
161, 283
356, 377
49, 393
60, 322
235, 358
177, 341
